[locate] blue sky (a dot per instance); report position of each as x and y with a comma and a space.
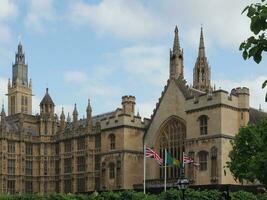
103, 50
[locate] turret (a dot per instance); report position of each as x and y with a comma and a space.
128, 105
47, 105
176, 58
201, 73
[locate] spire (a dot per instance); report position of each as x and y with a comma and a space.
75, 114
89, 115
3, 113
201, 51
201, 76
62, 115
176, 58
176, 43
20, 57
68, 118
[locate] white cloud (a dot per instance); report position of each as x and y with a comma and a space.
5, 33
75, 77
128, 19
148, 62
257, 95
38, 13
8, 9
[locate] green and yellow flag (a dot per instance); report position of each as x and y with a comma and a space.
171, 161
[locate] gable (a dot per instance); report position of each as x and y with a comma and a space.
171, 103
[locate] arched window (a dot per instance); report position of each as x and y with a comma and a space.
203, 160
203, 124
112, 141
171, 138
214, 167
111, 171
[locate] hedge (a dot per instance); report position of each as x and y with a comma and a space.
172, 194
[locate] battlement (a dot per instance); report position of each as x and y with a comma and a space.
122, 119
240, 90
238, 98
128, 99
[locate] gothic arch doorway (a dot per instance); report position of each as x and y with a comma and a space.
171, 136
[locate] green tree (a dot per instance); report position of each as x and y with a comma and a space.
248, 158
256, 44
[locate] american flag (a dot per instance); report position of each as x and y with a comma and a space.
152, 154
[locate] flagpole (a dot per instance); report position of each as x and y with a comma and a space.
165, 169
144, 184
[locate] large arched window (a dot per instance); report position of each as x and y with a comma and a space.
111, 169
112, 141
171, 138
214, 167
203, 124
203, 160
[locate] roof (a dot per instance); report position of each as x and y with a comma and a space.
256, 115
47, 99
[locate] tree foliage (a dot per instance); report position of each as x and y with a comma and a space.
248, 158
257, 43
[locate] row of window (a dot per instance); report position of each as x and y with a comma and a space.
81, 166
29, 147
81, 186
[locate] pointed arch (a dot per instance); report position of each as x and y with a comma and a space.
171, 136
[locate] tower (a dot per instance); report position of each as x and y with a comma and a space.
176, 58
19, 89
201, 73
47, 105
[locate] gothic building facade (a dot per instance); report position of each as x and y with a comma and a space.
46, 153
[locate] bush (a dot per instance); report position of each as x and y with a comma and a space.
172, 194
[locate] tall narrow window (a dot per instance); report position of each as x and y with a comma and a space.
111, 171
13, 103
11, 186
214, 167
28, 186
28, 149
112, 141
203, 160
28, 168
11, 147
203, 124
67, 146
81, 144
81, 184
11, 167
81, 163
45, 167
67, 165
67, 185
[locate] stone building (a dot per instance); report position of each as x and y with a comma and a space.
47, 153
